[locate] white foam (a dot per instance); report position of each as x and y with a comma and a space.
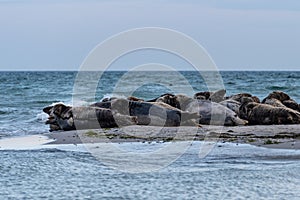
42, 116
60, 102
110, 95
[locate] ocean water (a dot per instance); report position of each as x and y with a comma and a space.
25, 94
230, 171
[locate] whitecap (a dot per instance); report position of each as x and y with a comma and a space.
42, 116
110, 95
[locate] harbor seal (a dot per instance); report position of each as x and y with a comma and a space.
283, 98
222, 115
202, 95
279, 95
169, 99
153, 113
232, 105
217, 96
240, 96
292, 104
264, 114
62, 117
215, 114
132, 98
273, 102
150, 113
92, 117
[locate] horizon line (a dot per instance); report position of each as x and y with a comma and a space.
181, 70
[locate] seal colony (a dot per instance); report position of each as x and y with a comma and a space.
169, 110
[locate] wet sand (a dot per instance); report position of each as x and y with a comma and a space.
271, 136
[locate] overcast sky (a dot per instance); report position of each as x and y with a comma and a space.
238, 34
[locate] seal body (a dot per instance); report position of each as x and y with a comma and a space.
211, 112
62, 117
239, 97
264, 114
216, 96
280, 99
232, 105
169, 99
152, 113
215, 114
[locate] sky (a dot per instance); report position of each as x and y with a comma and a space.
237, 34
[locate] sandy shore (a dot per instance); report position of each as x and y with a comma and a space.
27, 142
274, 136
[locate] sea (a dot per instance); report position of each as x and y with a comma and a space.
229, 171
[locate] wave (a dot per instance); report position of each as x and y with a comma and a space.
277, 88
293, 76
3, 112
6, 111
42, 117
110, 95
60, 102
44, 102
230, 83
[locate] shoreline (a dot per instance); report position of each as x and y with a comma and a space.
269, 136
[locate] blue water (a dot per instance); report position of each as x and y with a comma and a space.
230, 171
